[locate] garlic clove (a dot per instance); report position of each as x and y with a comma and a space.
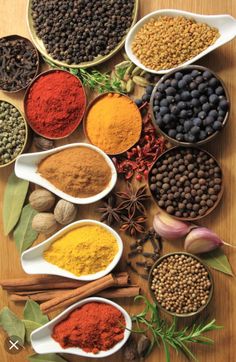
170, 228
201, 240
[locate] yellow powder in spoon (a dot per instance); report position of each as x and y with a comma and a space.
85, 250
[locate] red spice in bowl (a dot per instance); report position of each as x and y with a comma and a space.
93, 327
55, 104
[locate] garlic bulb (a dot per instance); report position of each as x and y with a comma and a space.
201, 240
170, 228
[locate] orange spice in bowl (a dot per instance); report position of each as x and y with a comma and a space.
113, 123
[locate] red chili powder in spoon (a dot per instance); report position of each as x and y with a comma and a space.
93, 327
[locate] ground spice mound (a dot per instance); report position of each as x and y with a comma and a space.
55, 104
85, 250
94, 327
166, 42
114, 123
77, 171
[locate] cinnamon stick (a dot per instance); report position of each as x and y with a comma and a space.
70, 297
52, 282
126, 292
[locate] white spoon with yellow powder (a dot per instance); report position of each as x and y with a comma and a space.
84, 250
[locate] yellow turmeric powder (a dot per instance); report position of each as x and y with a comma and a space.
114, 123
88, 249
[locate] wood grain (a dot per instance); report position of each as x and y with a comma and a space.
222, 221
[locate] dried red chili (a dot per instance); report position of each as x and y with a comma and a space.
141, 157
93, 327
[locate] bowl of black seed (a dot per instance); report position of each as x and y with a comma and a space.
19, 63
186, 182
81, 33
13, 133
190, 105
181, 284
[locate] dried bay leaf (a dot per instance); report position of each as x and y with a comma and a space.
216, 259
11, 324
23, 234
50, 357
13, 201
32, 312
30, 326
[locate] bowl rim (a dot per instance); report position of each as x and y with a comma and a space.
214, 134
174, 12
68, 228
49, 186
17, 36
36, 40
27, 94
65, 314
183, 315
92, 103
26, 133
220, 194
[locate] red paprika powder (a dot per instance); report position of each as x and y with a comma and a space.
93, 327
55, 104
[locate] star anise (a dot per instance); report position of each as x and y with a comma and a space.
110, 212
132, 224
133, 201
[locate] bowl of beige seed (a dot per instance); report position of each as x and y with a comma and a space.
181, 284
166, 39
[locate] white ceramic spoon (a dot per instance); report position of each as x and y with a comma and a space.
226, 25
43, 343
33, 262
26, 168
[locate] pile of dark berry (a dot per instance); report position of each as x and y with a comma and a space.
186, 182
79, 31
190, 105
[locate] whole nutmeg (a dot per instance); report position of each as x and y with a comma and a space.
45, 223
43, 143
65, 212
42, 200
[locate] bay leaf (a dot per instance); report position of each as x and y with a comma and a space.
23, 234
217, 259
50, 357
30, 326
11, 324
13, 201
32, 312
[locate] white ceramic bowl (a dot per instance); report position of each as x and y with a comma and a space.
26, 168
226, 25
33, 262
42, 342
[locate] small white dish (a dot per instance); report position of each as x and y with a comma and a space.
26, 168
226, 25
43, 343
33, 262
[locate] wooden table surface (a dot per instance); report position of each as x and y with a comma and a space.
222, 221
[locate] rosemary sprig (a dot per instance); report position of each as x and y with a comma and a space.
169, 335
95, 80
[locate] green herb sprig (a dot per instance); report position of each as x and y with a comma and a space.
95, 80
149, 321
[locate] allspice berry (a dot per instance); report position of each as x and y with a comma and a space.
44, 223
42, 200
65, 212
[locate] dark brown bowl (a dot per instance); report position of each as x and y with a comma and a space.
26, 97
182, 315
190, 219
173, 140
90, 106
14, 37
